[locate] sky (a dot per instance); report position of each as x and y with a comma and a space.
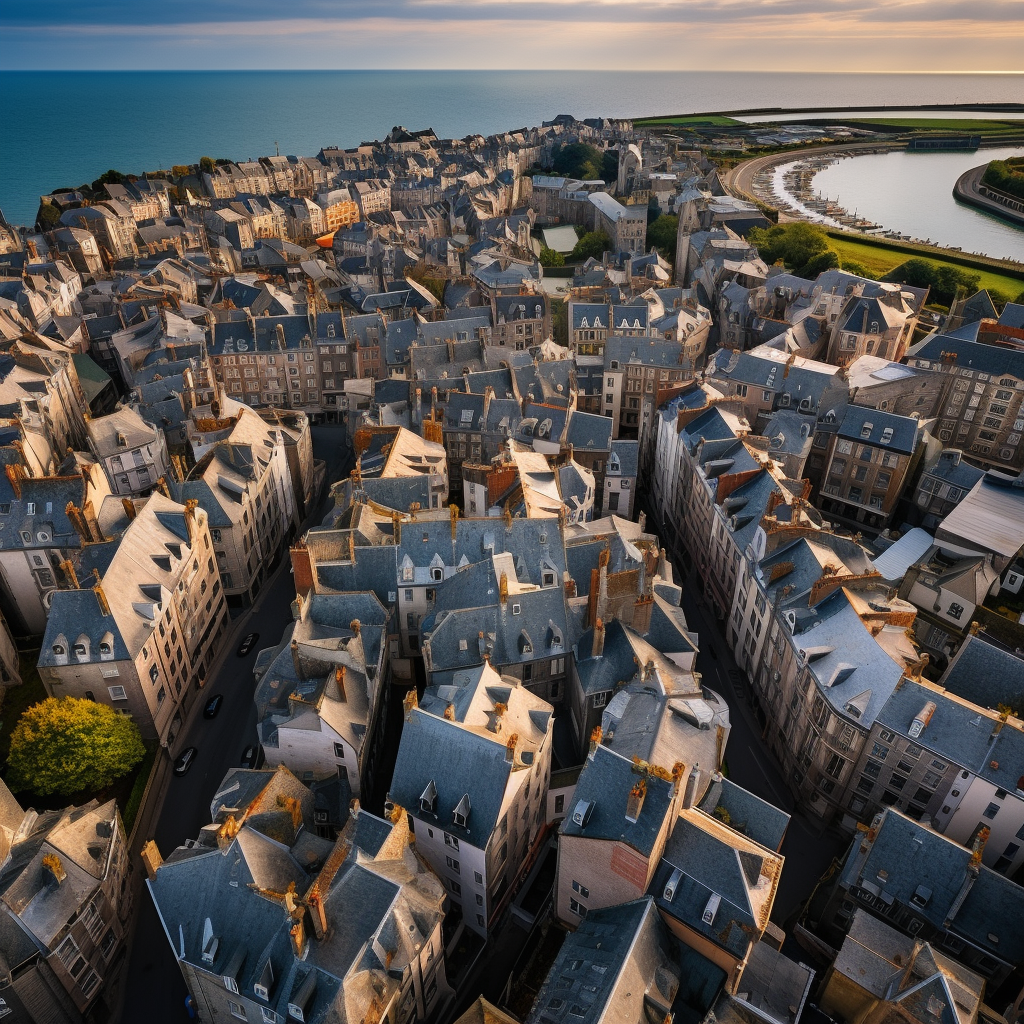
780, 35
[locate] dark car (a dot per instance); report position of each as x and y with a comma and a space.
213, 706
253, 756
184, 762
247, 644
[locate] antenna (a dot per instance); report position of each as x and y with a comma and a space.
277, 148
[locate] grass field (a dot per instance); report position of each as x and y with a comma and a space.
878, 262
940, 125
716, 120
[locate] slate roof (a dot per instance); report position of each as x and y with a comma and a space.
913, 855
704, 858
873, 426
994, 359
749, 815
606, 781
458, 762
985, 674
956, 730
589, 432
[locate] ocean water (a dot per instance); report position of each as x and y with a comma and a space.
60, 129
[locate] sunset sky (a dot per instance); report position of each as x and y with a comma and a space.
784, 35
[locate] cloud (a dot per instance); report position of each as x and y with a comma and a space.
785, 35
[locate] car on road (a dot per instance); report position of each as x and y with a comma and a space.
213, 705
253, 756
184, 762
247, 644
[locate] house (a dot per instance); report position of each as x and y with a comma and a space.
317, 930
323, 699
623, 966
472, 775
131, 452
626, 226
989, 519
64, 909
881, 974
929, 887
144, 635
944, 480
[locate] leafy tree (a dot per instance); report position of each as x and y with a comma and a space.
578, 160
551, 257
795, 245
593, 243
48, 217
206, 164
820, 262
68, 745
181, 170
1020, 298
661, 232
110, 177
560, 323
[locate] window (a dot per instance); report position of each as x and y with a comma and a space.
835, 766
453, 864
880, 752
991, 811
454, 886
580, 911
600, 699
559, 804
581, 889
236, 1010
339, 750
117, 693
955, 611
478, 878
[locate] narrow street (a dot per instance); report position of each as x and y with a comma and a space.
152, 979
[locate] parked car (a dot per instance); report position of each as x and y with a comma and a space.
253, 756
184, 762
247, 644
213, 705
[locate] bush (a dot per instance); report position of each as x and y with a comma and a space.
68, 745
945, 282
853, 267
1006, 176
551, 258
181, 170
206, 164
48, 217
110, 177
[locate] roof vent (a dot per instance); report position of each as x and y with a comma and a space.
708, 917
582, 813
672, 884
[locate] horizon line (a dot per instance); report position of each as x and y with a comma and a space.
437, 70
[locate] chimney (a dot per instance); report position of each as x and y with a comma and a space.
503, 588
396, 527
453, 512
595, 741
68, 568
921, 719
297, 933
488, 395
297, 659
339, 683
53, 870
31, 246
635, 801
597, 648
129, 508
355, 626
100, 596
15, 477
410, 703
692, 783
151, 859
642, 521
91, 522
302, 568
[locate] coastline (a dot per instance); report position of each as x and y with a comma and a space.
967, 190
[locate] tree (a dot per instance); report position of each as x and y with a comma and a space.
68, 745
181, 170
853, 267
551, 257
661, 232
593, 243
48, 217
944, 280
1020, 298
110, 177
820, 262
795, 245
578, 160
560, 322
206, 164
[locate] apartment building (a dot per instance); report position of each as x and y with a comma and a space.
143, 635
132, 453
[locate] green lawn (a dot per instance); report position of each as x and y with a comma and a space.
693, 120
878, 262
940, 125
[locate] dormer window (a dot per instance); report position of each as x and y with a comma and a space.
428, 799
81, 648
865, 431
437, 574
122, 441
547, 578
461, 813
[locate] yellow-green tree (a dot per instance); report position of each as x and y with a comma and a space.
68, 745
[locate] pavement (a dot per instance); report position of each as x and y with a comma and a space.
177, 808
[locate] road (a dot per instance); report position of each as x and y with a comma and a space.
153, 980
966, 190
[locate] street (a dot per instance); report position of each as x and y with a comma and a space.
153, 980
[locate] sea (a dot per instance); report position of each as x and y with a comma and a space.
61, 129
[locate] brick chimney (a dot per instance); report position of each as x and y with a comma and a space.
14, 475
100, 596
297, 659
129, 508
151, 859
595, 741
597, 648
635, 801
68, 568
92, 524
303, 569
53, 870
